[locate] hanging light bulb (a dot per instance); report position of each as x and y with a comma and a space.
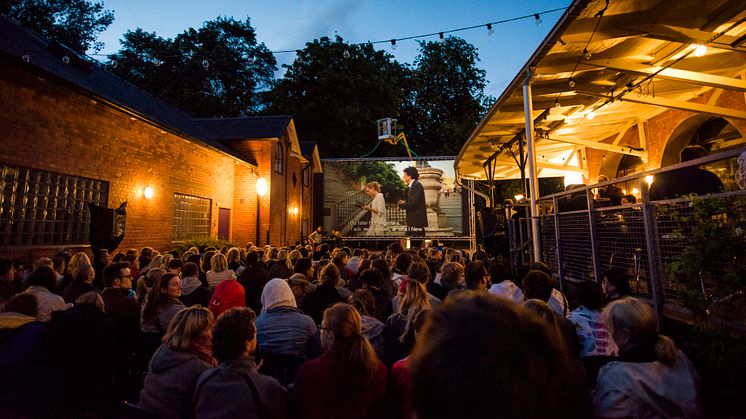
590, 115
490, 31
205, 64
537, 20
66, 59
699, 50
571, 82
586, 54
393, 44
346, 54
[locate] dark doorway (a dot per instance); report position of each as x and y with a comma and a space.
224, 223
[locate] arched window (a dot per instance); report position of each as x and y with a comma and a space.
279, 157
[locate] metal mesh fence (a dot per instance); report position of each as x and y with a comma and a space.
549, 242
575, 245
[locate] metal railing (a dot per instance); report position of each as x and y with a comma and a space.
350, 207
684, 254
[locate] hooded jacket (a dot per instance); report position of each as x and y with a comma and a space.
194, 293
170, 383
373, 330
228, 294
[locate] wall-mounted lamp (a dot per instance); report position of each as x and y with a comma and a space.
147, 192
261, 186
294, 210
649, 179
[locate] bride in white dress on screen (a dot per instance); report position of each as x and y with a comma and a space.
377, 209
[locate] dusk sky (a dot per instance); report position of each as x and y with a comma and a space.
286, 24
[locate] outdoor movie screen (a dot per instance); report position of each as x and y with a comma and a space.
369, 198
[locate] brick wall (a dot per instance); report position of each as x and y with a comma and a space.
47, 126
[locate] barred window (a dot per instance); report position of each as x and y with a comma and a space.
279, 157
45, 208
191, 217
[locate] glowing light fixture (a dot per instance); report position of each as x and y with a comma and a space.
518, 197
261, 186
649, 179
590, 115
635, 191
699, 50
572, 178
148, 192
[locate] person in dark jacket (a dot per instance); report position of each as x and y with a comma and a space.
185, 354
415, 203
80, 341
82, 283
193, 293
236, 389
325, 294
685, 181
372, 280
20, 333
253, 279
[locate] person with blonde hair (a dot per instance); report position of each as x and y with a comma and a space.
186, 352
652, 377
399, 330
219, 271
348, 380
377, 209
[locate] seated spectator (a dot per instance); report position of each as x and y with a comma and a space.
524, 372
348, 381
228, 294
417, 271
326, 294
161, 304
502, 285
451, 279
615, 284
20, 333
8, 284
123, 310
193, 293
80, 341
146, 282
300, 287
42, 285
590, 327
185, 354
219, 271
83, 277
476, 276
282, 328
557, 300
174, 266
559, 324
253, 279
282, 268
401, 266
353, 282
372, 281
235, 389
399, 330
365, 304
389, 286
652, 378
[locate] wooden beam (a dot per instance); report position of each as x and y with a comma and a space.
622, 132
601, 146
672, 74
685, 106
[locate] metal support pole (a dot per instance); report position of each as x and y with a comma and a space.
258, 219
651, 243
528, 110
594, 236
558, 243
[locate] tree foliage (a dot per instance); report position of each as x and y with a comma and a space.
75, 23
446, 98
216, 70
336, 92
384, 173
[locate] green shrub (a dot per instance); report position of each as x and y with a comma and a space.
200, 243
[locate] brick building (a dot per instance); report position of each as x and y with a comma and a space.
72, 133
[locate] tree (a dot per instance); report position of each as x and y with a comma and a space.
446, 99
74, 23
336, 92
215, 71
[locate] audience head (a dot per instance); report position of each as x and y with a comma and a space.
175, 265
524, 369
381, 266
363, 301
330, 275
218, 263
590, 295
84, 273
402, 262
190, 269
189, 326
451, 275
633, 324
298, 284
342, 336
537, 284
277, 293
117, 275
7, 270
23, 303
418, 271
91, 297
234, 334
476, 276
371, 278
616, 282
44, 276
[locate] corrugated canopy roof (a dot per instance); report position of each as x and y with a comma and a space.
640, 61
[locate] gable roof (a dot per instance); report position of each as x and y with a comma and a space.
39, 54
241, 128
310, 151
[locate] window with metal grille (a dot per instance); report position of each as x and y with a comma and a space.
191, 217
45, 208
279, 157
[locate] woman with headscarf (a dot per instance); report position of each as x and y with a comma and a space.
283, 329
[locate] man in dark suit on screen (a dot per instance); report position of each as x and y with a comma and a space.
415, 204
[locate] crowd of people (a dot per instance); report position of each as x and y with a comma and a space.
320, 332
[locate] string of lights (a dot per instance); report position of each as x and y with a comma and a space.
489, 26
